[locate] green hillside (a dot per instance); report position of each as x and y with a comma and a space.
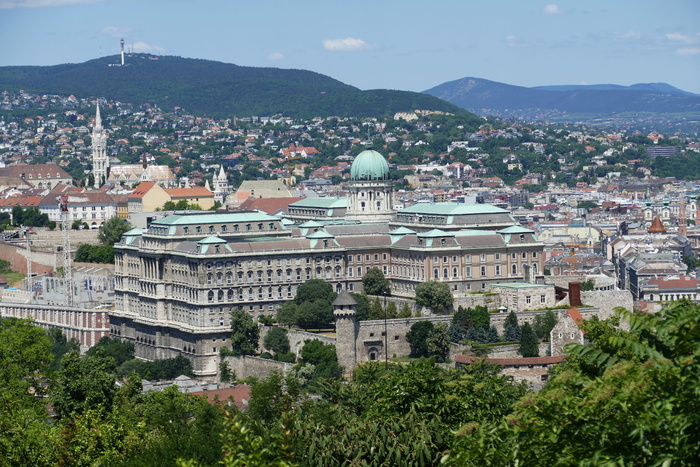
216, 89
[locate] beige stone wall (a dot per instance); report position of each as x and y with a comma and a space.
247, 366
607, 300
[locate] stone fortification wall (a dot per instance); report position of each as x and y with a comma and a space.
511, 351
607, 300
297, 339
490, 301
48, 239
42, 263
247, 366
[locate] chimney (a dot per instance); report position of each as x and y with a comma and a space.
574, 293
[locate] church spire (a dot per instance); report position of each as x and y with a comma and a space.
98, 118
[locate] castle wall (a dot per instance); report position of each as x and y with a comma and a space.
253, 367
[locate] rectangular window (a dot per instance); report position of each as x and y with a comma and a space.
468, 271
468, 259
498, 256
349, 272
483, 271
543, 298
498, 269
359, 271
528, 299
483, 258
349, 258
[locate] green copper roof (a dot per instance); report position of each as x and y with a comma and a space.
133, 232
328, 202
515, 229
369, 165
214, 218
401, 231
310, 224
320, 234
210, 240
436, 233
452, 209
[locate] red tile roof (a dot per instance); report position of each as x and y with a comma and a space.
195, 191
576, 316
141, 190
240, 395
268, 205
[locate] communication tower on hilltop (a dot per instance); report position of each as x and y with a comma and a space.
121, 43
65, 254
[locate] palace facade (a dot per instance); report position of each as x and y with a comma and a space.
177, 282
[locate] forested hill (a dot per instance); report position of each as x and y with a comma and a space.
485, 97
216, 89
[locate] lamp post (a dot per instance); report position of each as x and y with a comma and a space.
386, 337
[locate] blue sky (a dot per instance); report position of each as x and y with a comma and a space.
393, 44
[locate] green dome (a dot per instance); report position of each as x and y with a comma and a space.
369, 165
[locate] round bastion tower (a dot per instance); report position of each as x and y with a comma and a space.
346, 327
370, 191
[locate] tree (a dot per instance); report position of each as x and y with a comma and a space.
455, 333
434, 295
690, 260
529, 345
277, 340
287, 314
245, 334
362, 307
118, 350
628, 398
84, 384
315, 289
375, 310
543, 325
417, 338
111, 231
374, 282
588, 285
511, 328
314, 314
480, 317
323, 357
438, 342
391, 311
405, 311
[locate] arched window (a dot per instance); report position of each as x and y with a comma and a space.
219, 278
436, 273
362, 206
210, 278
210, 296
230, 295
514, 269
221, 295
534, 268
444, 273
229, 278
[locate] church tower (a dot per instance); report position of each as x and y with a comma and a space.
370, 191
221, 186
100, 161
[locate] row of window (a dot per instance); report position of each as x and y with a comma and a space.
236, 228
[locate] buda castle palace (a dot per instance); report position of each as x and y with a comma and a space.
177, 282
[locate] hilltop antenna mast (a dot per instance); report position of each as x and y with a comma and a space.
121, 43
65, 225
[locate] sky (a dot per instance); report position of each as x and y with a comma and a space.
380, 44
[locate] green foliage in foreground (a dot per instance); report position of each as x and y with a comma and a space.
632, 398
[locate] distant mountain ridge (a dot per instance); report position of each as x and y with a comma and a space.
485, 97
216, 89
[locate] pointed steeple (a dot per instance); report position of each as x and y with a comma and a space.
222, 173
98, 118
206, 185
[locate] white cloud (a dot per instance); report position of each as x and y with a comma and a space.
689, 51
349, 44
275, 56
513, 41
678, 37
142, 47
629, 35
552, 9
8, 4
114, 32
